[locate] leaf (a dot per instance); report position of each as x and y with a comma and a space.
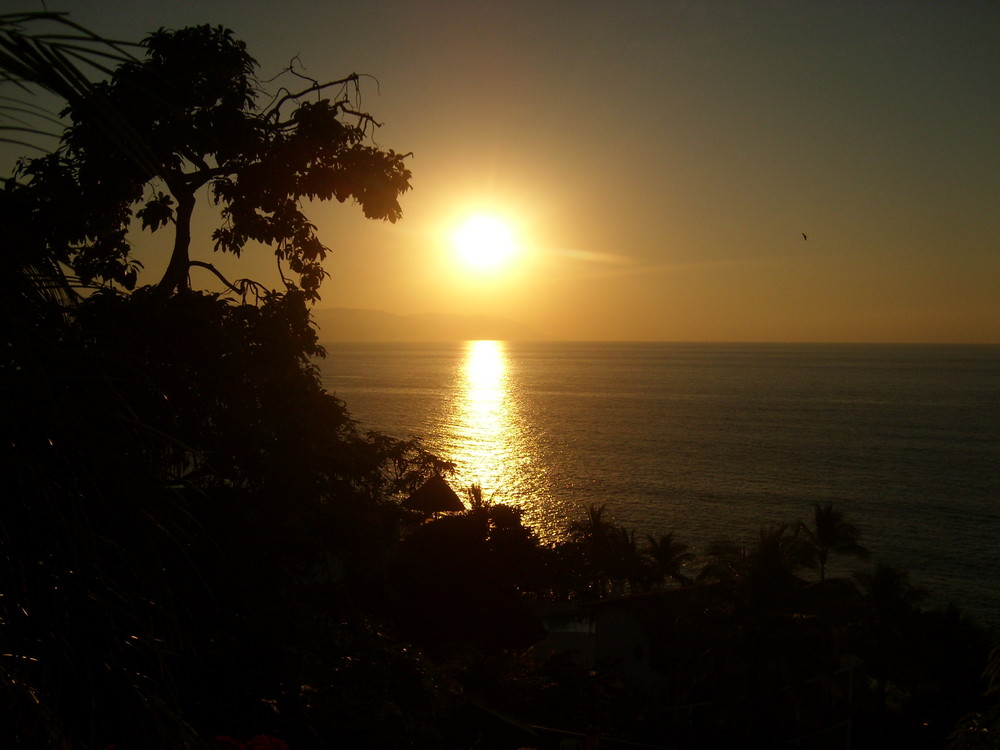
157, 212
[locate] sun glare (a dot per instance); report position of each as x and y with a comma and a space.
484, 242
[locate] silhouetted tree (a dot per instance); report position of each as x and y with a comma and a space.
186, 510
889, 592
454, 588
513, 546
925, 665
594, 530
187, 116
628, 568
831, 534
980, 730
762, 572
605, 555
668, 558
591, 542
887, 631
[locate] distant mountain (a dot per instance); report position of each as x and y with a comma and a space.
345, 324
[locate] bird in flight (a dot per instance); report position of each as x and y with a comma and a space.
804, 236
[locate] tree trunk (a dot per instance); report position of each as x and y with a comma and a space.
176, 275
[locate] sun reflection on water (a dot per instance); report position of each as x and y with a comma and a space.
491, 438
481, 414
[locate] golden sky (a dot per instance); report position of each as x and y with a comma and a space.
658, 161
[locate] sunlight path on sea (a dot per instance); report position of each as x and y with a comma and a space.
480, 423
487, 435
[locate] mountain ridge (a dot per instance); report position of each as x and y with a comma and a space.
356, 324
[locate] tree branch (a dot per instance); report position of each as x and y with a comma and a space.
213, 269
194, 180
275, 109
244, 284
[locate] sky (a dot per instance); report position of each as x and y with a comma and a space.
657, 161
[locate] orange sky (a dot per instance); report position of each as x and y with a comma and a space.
661, 160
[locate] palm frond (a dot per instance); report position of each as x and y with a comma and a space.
61, 64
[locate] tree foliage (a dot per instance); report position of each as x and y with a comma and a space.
191, 113
669, 557
180, 492
830, 534
761, 572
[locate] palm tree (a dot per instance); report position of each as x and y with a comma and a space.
887, 632
780, 551
592, 528
43, 52
627, 564
608, 552
830, 533
668, 557
764, 570
728, 561
889, 592
590, 537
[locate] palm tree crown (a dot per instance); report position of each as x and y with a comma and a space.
830, 533
668, 557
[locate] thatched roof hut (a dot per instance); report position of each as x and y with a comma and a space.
434, 496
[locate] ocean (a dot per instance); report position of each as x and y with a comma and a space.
714, 441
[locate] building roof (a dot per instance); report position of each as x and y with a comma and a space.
434, 496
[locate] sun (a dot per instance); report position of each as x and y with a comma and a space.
484, 242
